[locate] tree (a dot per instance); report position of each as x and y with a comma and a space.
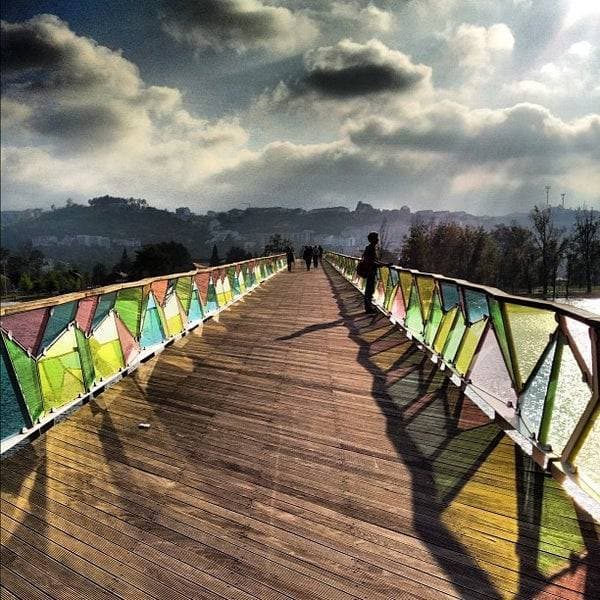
99, 274
586, 243
516, 257
25, 283
214, 258
277, 244
237, 254
161, 259
550, 244
414, 253
124, 265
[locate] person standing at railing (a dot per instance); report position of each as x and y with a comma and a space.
370, 259
289, 255
307, 256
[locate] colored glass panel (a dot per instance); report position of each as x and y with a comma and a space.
60, 316
241, 282
426, 286
212, 302
392, 288
27, 328
173, 315
183, 289
580, 335
152, 330
202, 282
489, 374
129, 308
195, 311
247, 277
571, 396
444, 329
414, 321
85, 313
450, 296
498, 322
105, 304
532, 400
454, 338
406, 282
398, 309
85, 358
129, 346
469, 346
60, 371
530, 329
106, 349
477, 306
435, 318
25, 369
221, 297
587, 459
234, 283
13, 416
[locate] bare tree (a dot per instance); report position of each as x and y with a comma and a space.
586, 239
550, 244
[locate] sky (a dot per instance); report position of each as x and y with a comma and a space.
218, 104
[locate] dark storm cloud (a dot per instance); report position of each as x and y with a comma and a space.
237, 24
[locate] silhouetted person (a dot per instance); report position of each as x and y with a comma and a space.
320, 249
307, 256
289, 255
370, 258
315, 252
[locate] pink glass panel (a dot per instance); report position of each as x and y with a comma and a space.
27, 328
85, 313
128, 344
159, 289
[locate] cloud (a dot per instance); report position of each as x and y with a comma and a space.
241, 25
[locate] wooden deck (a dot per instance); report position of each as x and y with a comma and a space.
297, 449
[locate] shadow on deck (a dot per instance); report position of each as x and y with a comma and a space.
297, 449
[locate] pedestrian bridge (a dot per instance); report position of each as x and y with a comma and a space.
296, 447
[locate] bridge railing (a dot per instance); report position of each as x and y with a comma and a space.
59, 351
530, 364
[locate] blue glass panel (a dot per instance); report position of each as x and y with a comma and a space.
60, 316
106, 302
477, 307
13, 414
450, 296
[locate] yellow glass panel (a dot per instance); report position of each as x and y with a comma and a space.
444, 329
469, 345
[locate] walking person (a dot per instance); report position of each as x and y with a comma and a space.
320, 249
289, 255
307, 256
370, 259
315, 252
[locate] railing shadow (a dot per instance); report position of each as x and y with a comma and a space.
413, 386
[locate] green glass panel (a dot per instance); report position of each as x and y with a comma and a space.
426, 286
25, 369
477, 306
106, 302
106, 350
212, 302
587, 459
450, 297
498, 322
183, 289
414, 320
435, 318
391, 289
444, 329
60, 316
129, 308
234, 284
530, 329
531, 402
469, 346
85, 357
454, 338
571, 395
406, 281
13, 416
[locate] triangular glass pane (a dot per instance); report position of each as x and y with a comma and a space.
571, 395
489, 374
152, 331
477, 306
27, 327
454, 338
25, 369
85, 313
13, 415
450, 296
398, 309
414, 321
435, 318
531, 402
105, 304
183, 290
60, 316
426, 287
129, 346
202, 282
444, 330
498, 322
195, 312
469, 346
406, 282
106, 349
128, 306
580, 335
85, 358
587, 459
531, 329
159, 289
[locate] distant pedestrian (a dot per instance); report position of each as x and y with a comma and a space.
289, 255
307, 256
370, 259
320, 249
315, 252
